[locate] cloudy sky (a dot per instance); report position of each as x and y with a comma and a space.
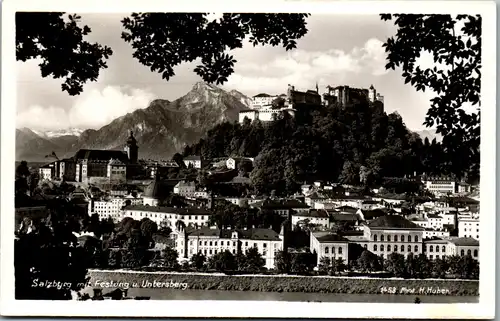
337, 50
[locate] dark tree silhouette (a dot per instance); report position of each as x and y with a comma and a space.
160, 41
61, 47
456, 85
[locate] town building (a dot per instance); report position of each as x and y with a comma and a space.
281, 207
468, 226
117, 171
112, 208
169, 216
390, 233
211, 240
233, 162
185, 189
193, 161
313, 217
159, 168
264, 114
460, 246
262, 100
329, 245
440, 186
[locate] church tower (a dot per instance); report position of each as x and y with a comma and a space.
132, 149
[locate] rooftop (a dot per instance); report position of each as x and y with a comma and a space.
313, 213
102, 155
173, 210
326, 237
192, 158
249, 234
393, 222
464, 241
343, 217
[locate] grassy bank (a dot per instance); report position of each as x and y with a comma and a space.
348, 285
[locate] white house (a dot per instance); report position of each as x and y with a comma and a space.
210, 241
316, 217
169, 215
468, 227
329, 245
111, 208
194, 161
232, 162
441, 186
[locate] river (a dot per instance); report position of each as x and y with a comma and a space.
170, 294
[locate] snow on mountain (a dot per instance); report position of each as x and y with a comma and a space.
63, 132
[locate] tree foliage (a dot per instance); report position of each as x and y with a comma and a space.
57, 40
328, 143
162, 41
455, 79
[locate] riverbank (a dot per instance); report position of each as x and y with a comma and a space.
281, 283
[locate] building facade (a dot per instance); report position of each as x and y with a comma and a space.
193, 161
468, 227
169, 216
210, 241
329, 245
185, 189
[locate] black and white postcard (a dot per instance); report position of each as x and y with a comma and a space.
248, 159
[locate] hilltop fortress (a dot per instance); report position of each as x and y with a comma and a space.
267, 107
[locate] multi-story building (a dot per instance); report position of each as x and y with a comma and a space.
333, 246
460, 246
193, 161
281, 207
344, 95
186, 189
117, 171
262, 100
315, 217
391, 233
169, 216
441, 186
430, 233
112, 208
265, 114
211, 240
468, 226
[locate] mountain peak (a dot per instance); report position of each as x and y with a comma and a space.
201, 85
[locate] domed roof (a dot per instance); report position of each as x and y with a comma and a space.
153, 190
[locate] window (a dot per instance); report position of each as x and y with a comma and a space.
416, 238
409, 238
200, 242
388, 238
326, 250
375, 247
443, 248
431, 248
205, 243
365, 246
475, 253
340, 250
388, 248
210, 243
210, 252
430, 257
246, 243
402, 248
395, 238
416, 248
375, 238
437, 248
333, 249
264, 253
402, 238
215, 243
462, 253
382, 247
395, 248
469, 252
264, 245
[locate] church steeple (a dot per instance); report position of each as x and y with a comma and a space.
132, 148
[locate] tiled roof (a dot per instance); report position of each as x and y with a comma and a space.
313, 213
103, 155
249, 234
465, 241
373, 214
336, 217
393, 222
328, 238
192, 158
173, 210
